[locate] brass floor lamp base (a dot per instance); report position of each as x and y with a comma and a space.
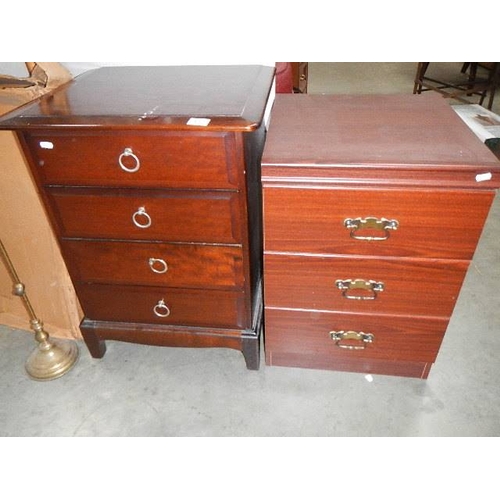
52, 359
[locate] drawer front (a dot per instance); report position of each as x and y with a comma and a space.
143, 263
166, 306
435, 224
309, 333
210, 217
363, 285
177, 160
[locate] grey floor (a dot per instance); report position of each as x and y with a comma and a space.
150, 391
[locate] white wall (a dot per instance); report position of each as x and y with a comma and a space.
76, 68
13, 69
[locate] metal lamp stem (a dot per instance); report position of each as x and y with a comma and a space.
52, 358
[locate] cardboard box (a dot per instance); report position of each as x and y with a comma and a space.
25, 230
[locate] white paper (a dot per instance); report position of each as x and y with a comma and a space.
484, 177
483, 122
198, 122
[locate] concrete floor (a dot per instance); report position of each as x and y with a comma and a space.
151, 391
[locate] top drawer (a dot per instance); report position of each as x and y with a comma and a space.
430, 224
153, 159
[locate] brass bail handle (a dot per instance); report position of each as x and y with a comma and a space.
350, 336
347, 286
371, 224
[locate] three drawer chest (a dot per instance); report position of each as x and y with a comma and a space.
373, 208
150, 178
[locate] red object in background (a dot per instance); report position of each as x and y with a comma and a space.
284, 78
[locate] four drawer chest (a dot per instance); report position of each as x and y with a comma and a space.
151, 179
373, 207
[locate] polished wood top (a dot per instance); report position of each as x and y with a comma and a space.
373, 131
231, 97
375, 140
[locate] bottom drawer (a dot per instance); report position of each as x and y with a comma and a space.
135, 304
308, 334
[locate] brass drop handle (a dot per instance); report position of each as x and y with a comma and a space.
141, 218
371, 224
158, 266
361, 338
161, 309
373, 288
136, 163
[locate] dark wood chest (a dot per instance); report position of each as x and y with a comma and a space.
373, 208
150, 177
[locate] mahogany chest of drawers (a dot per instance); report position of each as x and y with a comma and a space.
373, 207
150, 177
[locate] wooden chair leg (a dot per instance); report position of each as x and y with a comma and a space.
421, 69
472, 76
493, 83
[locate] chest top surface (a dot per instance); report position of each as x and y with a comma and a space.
375, 130
230, 97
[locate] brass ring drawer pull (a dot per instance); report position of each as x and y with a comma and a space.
158, 266
141, 218
373, 287
361, 338
127, 152
371, 224
161, 309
